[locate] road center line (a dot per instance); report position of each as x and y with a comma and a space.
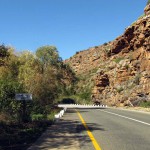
126, 117
95, 144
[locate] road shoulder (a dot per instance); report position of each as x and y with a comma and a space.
62, 135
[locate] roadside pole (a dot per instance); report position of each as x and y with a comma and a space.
23, 98
24, 106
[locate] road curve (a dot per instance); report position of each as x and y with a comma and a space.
116, 129
97, 129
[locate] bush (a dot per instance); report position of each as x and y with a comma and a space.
105, 44
120, 89
8, 104
50, 116
137, 79
85, 95
145, 104
127, 66
96, 46
38, 117
117, 60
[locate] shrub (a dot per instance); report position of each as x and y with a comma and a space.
38, 117
85, 95
145, 104
120, 89
117, 60
50, 116
137, 79
127, 66
8, 104
107, 51
105, 43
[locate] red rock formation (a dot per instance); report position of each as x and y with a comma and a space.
125, 63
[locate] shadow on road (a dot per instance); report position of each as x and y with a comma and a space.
67, 133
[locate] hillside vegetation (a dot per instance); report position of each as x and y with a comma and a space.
43, 75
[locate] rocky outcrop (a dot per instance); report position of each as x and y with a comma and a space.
135, 36
123, 66
129, 74
88, 60
101, 81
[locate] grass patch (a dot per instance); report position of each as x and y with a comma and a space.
145, 104
117, 60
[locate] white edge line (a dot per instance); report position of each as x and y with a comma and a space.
132, 110
127, 117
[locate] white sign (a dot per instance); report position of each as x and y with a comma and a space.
23, 96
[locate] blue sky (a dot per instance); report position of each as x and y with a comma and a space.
70, 25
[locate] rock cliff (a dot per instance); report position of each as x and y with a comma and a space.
121, 75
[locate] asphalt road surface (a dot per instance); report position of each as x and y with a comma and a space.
97, 129
115, 129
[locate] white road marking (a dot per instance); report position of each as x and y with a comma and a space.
132, 110
126, 117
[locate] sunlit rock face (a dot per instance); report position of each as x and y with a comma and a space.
121, 68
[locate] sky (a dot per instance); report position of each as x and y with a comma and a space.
70, 25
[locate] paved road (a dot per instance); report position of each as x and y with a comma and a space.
118, 129
113, 129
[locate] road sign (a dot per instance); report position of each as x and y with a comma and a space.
23, 96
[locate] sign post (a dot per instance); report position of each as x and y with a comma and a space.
23, 97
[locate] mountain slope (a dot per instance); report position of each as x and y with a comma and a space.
118, 72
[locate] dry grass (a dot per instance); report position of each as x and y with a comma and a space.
4, 117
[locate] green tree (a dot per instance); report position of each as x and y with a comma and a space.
48, 55
9, 84
42, 84
8, 104
4, 54
44, 75
29, 70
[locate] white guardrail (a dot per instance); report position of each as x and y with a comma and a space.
65, 106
